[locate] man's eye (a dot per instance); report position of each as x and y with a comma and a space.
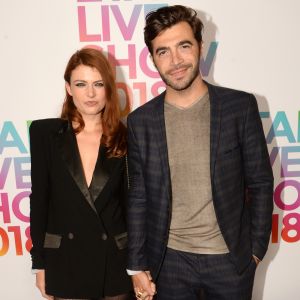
162, 52
185, 46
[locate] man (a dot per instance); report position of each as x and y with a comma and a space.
201, 184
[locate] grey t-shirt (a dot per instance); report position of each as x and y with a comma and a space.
194, 226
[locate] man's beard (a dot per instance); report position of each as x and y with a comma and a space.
183, 85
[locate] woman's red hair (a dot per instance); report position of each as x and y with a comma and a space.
114, 132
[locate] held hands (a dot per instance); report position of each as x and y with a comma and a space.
40, 283
143, 286
256, 259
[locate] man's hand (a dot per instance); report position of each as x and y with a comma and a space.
256, 259
143, 286
40, 283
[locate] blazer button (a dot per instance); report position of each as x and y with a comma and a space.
103, 236
70, 236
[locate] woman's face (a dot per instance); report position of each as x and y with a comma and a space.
87, 89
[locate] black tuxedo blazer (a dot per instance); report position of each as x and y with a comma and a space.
241, 179
78, 232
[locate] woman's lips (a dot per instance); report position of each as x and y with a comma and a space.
91, 103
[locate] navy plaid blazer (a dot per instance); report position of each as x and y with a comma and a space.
241, 180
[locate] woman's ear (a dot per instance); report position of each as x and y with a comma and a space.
68, 88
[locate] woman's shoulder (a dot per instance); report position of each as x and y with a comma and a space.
47, 125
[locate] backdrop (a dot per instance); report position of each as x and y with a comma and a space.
249, 45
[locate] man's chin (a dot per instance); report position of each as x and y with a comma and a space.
179, 87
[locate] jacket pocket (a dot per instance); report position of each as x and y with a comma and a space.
231, 150
52, 240
121, 240
231, 154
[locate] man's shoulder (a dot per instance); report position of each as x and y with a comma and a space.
147, 108
236, 101
228, 93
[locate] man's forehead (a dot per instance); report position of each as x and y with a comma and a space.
174, 35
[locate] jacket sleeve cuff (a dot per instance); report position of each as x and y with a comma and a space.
131, 272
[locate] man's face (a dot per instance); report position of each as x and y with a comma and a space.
176, 56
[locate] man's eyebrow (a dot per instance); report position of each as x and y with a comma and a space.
179, 44
185, 42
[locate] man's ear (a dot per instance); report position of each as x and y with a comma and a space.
68, 88
201, 48
153, 61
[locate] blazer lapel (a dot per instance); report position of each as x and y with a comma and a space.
100, 176
215, 124
70, 153
161, 138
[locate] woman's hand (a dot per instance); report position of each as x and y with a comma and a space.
40, 283
143, 286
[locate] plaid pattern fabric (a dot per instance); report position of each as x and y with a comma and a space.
241, 178
201, 276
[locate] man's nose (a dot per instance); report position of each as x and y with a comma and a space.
176, 57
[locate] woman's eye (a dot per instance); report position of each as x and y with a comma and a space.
99, 84
80, 84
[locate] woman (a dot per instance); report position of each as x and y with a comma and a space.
78, 174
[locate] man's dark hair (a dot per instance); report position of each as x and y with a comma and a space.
167, 16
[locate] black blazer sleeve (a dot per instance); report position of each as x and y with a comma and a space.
259, 179
137, 207
39, 193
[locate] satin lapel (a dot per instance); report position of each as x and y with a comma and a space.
70, 154
215, 124
100, 176
161, 137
